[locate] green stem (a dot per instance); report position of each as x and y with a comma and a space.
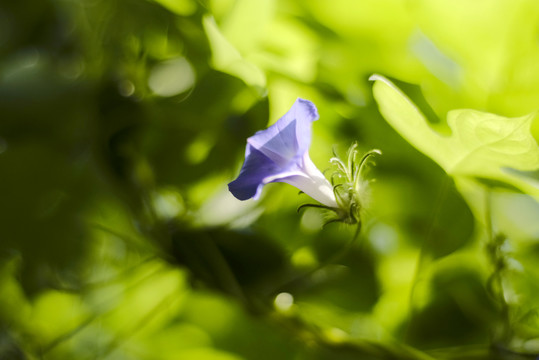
332, 259
495, 281
323, 346
422, 258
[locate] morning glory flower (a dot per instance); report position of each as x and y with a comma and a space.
280, 153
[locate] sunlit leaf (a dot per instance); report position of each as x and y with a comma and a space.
482, 145
226, 58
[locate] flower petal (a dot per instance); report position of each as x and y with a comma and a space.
281, 154
255, 169
290, 136
305, 176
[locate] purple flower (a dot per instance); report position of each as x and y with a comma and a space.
281, 154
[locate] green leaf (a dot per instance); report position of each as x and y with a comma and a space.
226, 58
180, 7
481, 145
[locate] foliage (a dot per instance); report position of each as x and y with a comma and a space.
123, 121
481, 145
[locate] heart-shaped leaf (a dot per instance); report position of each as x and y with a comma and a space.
481, 145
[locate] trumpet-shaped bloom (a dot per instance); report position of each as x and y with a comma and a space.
281, 154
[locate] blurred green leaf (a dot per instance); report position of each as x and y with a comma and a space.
229, 60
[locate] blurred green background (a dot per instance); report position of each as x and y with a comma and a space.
122, 121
